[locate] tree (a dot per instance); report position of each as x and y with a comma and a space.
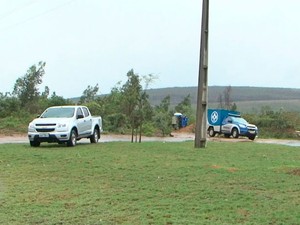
148, 79
225, 101
112, 113
89, 94
55, 100
185, 106
162, 117
135, 102
26, 87
220, 100
8, 105
144, 113
234, 107
227, 97
131, 91
164, 104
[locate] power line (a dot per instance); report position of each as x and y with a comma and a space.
36, 16
16, 9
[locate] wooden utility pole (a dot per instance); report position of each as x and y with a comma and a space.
201, 117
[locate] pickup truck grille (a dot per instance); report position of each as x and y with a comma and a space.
45, 129
45, 124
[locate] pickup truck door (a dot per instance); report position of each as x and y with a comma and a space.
88, 120
80, 121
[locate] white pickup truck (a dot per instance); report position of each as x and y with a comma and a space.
64, 124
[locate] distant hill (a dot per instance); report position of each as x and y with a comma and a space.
248, 99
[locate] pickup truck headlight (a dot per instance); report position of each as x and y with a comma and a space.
62, 127
31, 127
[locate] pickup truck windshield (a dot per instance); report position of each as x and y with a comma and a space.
58, 113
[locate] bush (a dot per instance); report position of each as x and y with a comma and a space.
149, 129
278, 124
16, 123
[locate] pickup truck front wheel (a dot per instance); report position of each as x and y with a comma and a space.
35, 143
95, 137
73, 138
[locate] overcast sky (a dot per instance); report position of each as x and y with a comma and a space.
85, 42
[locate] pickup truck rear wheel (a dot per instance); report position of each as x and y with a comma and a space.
73, 138
95, 137
235, 133
211, 132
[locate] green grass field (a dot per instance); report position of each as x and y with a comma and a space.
150, 183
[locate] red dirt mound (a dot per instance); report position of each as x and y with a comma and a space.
187, 129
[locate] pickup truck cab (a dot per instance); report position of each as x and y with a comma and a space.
64, 124
229, 123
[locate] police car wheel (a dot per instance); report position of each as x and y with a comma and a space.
235, 133
211, 132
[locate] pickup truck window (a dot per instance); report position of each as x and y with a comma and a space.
58, 113
79, 113
85, 111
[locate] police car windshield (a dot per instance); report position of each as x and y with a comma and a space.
239, 120
64, 112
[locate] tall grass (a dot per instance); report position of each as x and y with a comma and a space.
149, 183
16, 123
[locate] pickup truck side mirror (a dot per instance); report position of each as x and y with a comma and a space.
80, 116
229, 121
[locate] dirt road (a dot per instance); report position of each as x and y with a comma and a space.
20, 138
177, 137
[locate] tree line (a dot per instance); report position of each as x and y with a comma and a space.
126, 109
